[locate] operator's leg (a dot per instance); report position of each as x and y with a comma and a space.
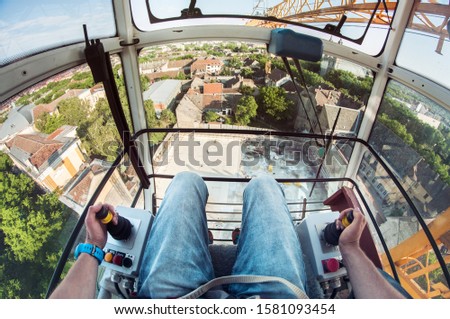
268, 244
176, 259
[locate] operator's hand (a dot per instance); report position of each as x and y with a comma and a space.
95, 230
352, 233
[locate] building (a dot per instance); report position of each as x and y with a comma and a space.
205, 97
119, 189
277, 78
429, 193
347, 122
163, 94
19, 120
52, 160
206, 66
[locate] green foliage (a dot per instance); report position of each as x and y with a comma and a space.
181, 76
235, 63
30, 222
315, 80
261, 58
5, 163
226, 71
211, 116
274, 102
246, 90
167, 119
247, 72
399, 129
184, 57
72, 111
429, 142
246, 110
99, 133
3, 118
355, 86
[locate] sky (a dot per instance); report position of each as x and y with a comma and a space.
32, 26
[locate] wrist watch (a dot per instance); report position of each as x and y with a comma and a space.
90, 249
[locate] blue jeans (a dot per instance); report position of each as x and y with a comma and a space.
177, 260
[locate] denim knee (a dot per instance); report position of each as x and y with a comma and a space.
188, 178
262, 184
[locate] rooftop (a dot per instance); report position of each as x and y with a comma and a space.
18, 120
162, 91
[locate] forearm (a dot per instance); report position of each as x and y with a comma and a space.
80, 282
366, 280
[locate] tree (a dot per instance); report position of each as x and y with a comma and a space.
211, 116
99, 134
246, 110
168, 118
47, 123
30, 223
247, 72
274, 102
5, 163
246, 90
235, 63
73, 111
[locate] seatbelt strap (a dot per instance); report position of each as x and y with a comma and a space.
243, 279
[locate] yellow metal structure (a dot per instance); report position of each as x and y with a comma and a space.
414, 260
430, 16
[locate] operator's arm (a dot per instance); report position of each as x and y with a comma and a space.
81, 279
366, 280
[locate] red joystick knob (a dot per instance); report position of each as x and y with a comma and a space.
117, 260
330, 265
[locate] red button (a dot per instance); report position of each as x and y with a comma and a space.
330, 265
117, 260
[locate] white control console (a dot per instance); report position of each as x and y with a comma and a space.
124, 256
326, 259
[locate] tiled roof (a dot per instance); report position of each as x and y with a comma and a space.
202, 63
44, 153
179, 64
327, 97
80, 192
38, 148
213, 88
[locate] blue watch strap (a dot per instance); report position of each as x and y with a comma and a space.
90, 249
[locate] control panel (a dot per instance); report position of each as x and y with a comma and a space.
326, 259
124, 256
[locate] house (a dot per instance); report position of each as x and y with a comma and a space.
119, 189
183, 66
19, 120
52, 160
163, 94
153, 67
206, 66
428, 192
250, 63
277, 77
203, 97
188, 114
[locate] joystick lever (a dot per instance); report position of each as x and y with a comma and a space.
119, 231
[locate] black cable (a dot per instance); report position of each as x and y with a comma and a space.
116, 285
334, 293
